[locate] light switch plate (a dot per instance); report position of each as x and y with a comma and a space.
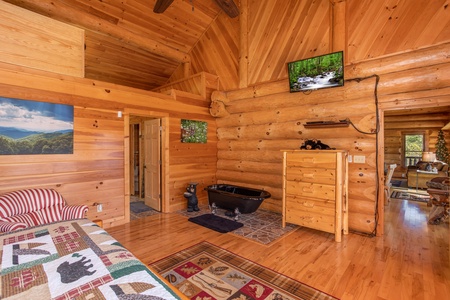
359, 159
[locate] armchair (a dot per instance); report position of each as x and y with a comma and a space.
27, 208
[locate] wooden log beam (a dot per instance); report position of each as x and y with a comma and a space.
81, 91
417, 59
249, 166
327, 111
243, 45
275, 145
338, 36
417, 125
62, 12
414, 118
254, 156
217, 109
271, 180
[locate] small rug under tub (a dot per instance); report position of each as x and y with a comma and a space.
262, 226
216, 223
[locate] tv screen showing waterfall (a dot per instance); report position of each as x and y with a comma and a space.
317, 72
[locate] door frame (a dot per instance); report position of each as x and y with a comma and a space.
387, 106
164, 117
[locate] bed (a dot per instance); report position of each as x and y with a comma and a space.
74, 259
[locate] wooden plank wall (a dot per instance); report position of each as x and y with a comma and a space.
39, 42
95, 172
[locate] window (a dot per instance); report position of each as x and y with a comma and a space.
414, 146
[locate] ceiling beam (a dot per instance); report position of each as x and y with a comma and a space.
61, 12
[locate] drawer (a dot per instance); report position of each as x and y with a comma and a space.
311, 205
311, 219
326, 176
312, 160
311, 190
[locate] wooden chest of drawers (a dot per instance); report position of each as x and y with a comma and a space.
315, 190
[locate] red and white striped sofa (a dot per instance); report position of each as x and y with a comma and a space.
27, 208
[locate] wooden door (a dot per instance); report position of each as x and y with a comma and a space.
152, 164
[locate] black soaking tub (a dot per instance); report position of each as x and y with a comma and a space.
232, 197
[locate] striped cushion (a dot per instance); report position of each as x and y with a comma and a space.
30, 219
35, 207
70, 212
25, 201
52, 214
11, 226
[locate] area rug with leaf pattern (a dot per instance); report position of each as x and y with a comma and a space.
205, 271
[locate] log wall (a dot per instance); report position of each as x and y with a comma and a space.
265, 119
95, 171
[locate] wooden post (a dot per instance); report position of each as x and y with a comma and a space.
243, 45
338, 34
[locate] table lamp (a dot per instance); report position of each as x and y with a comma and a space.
428, 157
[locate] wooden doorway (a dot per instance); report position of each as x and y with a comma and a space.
151, 136
146, 163
425, 118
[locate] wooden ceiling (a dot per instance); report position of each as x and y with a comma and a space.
441, 110
126, 42
423, 118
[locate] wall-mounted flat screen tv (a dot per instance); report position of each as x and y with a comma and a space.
317, 72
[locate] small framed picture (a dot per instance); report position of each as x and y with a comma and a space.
194, 131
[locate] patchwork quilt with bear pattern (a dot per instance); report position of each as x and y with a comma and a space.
73, 260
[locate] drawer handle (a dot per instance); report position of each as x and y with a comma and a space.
307, 189
308, 204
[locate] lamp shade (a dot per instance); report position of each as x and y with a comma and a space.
428, 156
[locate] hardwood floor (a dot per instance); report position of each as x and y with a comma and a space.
411, 261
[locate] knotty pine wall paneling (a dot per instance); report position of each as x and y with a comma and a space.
95, 172
40, 42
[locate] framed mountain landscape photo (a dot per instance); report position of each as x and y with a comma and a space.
31, 127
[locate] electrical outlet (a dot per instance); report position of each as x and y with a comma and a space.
350, 158
359, 159
99, 207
